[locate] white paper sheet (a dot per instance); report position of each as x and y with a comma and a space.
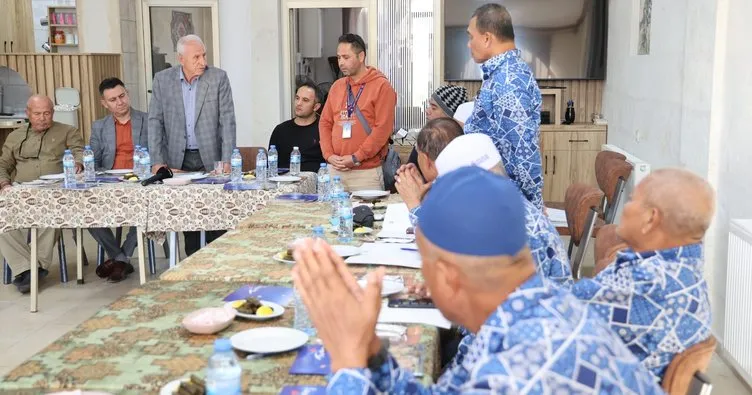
396, 222
403, 255
558, 217
431, 317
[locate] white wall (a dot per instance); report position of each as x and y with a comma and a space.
99, 26
129, 42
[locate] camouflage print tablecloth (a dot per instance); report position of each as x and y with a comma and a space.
157, 208
137, 344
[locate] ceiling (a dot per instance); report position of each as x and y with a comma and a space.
525, 13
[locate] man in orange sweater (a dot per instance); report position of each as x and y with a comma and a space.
358, 119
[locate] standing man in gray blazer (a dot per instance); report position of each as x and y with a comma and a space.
191, 119
113, 140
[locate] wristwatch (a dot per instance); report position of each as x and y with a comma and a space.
376, 361
355, 160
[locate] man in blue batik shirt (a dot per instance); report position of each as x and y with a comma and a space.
527, 337
441, 151
509, 102
654, 295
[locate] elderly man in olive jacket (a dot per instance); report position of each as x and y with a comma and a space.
30, 152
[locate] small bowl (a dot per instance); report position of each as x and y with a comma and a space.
176, 182
209, 320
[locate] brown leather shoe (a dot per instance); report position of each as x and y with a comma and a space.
104, 270
120, 271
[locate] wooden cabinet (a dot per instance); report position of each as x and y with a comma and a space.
568, 156
16, 26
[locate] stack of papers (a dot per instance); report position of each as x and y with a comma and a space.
403, 255
432, 317
396, 223
558, 217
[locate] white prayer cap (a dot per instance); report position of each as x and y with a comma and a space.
475, 149
464, 111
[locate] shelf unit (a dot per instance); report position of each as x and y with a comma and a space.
63, 18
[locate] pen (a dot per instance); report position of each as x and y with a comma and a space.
408, 249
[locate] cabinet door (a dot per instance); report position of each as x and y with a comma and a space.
7, 21
556, 174
23, 27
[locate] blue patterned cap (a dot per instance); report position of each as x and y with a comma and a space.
471, 211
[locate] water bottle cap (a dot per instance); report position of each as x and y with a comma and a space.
318, 229
336, 178
235, 150
261, 150
67, 151
222, 345
272, 146
323, 165
87, 147
294, 147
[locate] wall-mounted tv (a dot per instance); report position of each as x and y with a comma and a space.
559, 39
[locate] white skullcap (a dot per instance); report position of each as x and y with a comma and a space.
475, 149
464, 111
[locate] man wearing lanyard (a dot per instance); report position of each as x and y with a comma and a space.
358, 119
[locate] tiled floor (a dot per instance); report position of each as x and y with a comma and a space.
63, 306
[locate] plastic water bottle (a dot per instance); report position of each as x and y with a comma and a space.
137, 160
261, 167
223, 373
273, 161
318, 232
322, 188
335, 193
295, 161
90, 174
302, 321
236, 164
345, 233
69, 169
145, 164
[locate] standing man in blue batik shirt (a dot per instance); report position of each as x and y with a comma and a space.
509, 102
527, 337
654, 295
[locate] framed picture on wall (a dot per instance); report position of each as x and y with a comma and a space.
180, 25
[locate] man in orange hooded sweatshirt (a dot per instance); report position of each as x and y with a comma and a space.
358, 119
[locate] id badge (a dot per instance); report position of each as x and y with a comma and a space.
346, 130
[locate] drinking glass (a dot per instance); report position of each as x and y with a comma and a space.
219, 168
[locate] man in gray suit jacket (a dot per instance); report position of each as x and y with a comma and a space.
113, 139
191, 118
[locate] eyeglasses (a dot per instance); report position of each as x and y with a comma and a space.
20, 146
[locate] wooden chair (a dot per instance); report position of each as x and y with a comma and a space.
249, 155
607, 244
611, 173
683, 369
581, 204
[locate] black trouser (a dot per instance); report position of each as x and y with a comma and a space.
192, 162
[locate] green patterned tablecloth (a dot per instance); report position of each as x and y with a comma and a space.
137, 344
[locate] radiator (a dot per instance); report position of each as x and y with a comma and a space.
640, 170
737, 340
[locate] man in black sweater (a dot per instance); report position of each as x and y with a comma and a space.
301, 131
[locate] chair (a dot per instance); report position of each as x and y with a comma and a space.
249, 155
607, 244
581, 204
683, 369
611, 173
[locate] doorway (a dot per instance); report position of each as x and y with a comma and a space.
164, 22
310, 30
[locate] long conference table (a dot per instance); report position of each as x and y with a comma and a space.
137, 344
153, 210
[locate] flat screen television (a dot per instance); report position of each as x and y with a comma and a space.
559, 39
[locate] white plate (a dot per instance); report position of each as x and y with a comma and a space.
389, 287
278, 311
370, 194
190, 176
269, 340
285, 179
346, 251
118, 171
278, 257
60, 176
170, 387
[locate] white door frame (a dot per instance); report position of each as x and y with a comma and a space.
288, 66
143, 24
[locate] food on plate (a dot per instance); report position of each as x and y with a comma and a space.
264, 311
130, 177
248, 306
193, 386
361, 231
249, 175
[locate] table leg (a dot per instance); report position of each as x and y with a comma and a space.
141, 260
202, 243
173, 249
34, 265
80, 256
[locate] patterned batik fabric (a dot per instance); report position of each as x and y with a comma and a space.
508, 109
549, 254
656, 301
539, 341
